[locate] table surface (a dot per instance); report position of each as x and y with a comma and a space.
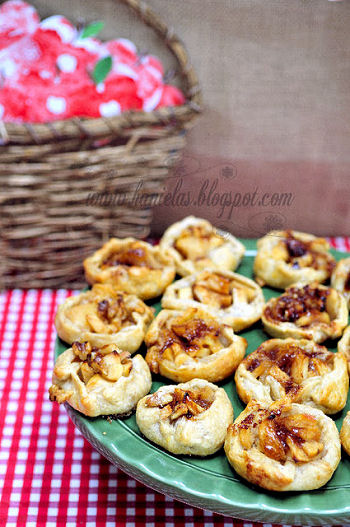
49, 474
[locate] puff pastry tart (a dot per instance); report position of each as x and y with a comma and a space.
237, 300
195, 244
344, 346
300, 371
312, 311
133, 266
340, 278
345, 434
184, 345
284, 446
102, 316
190, 418
99, 381
288, 257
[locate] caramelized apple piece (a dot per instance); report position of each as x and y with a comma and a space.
269, 442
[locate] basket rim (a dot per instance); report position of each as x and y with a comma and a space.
38, 133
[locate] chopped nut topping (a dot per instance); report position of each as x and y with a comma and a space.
81, 349
114, 310
304, 306
182, 403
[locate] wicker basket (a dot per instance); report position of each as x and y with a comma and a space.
49, 220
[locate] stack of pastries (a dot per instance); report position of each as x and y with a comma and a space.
284, 439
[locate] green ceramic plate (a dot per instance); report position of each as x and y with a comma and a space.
211, 483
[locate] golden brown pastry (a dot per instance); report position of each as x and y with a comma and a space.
344, 346
195, 244
340, 278
284, 446
235, 299
190, 418
300, 371
288, 257
99, 381
312, 311
102, 316
185, 345
345, 434
132, 266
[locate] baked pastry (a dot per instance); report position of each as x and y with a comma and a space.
284, 446
312, 311
300, 371
340, 278
288, 257
237, 300
345, 434
190, 418
185, 345
99, 381
102, 316
195, 244
344, 346
132, 266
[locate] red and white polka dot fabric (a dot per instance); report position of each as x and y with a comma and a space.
46, 71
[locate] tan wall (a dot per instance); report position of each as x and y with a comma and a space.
276, 77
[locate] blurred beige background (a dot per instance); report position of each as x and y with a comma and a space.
276, 78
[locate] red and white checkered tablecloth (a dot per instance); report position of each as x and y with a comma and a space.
49, 474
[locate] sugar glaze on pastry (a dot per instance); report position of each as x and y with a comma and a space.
189, 418
99, 381
284, 446
300, 371
195, 244
235, 299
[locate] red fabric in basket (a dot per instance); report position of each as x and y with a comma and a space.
50, 475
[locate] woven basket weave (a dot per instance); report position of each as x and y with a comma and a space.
51, 173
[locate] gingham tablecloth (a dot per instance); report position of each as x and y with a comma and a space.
49, 474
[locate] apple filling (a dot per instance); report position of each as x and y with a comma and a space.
289, 364
186, 336
135, 255
196, 241
105, 315
301, 254
181, 403
303, 306
281, 437
216, 290
95, 364
213, 289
